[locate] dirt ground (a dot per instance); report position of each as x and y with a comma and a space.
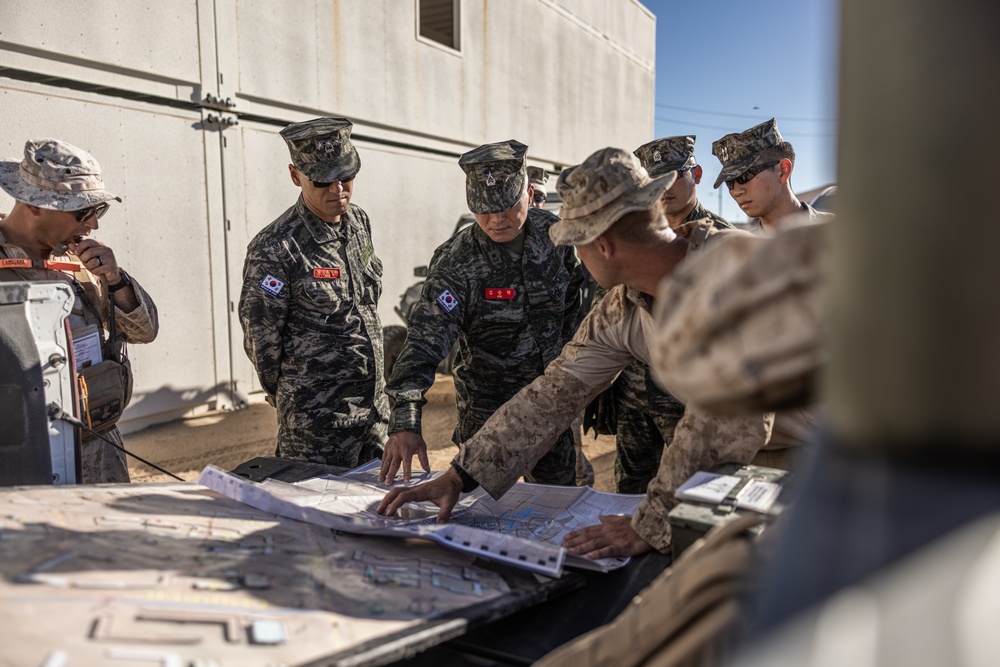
227, 439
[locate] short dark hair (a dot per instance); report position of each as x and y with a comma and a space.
780, 151
639, 226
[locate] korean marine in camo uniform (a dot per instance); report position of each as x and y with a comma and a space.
757, 169
507, 295
311, 285
613, 215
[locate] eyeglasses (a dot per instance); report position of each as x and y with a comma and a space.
323, 186
681, 172
85, 214
750, 174
539, 198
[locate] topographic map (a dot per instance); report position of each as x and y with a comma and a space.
524, 528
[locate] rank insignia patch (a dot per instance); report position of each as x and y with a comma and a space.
272, 285
495, 293
326, 274
447, 301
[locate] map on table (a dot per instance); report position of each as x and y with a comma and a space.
523, 529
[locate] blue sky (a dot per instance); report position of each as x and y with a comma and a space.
725, 65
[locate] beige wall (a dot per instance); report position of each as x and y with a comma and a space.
565, 78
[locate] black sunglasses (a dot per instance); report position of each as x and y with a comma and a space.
750, 174
540, 198
85, 214
323, 186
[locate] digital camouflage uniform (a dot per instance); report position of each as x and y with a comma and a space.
614, 334
510, 312
309, 315
645, 415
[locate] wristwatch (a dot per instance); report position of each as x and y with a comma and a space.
125, 281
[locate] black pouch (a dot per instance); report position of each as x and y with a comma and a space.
602, 414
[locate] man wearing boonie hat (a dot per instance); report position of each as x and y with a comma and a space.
537, 177
645, 415
309, 307
613, 214
508, 296
59, 195
757, 168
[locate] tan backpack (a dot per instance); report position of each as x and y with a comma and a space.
689, 615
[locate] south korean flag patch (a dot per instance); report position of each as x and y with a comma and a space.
272, 285
447, 301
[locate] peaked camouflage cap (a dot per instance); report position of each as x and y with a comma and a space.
54, 175
322, 150
738, 151
667, 154
537, 175
595, 194
495, 176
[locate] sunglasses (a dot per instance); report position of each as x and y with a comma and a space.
750, 174
319, 185
539, 199
85, 214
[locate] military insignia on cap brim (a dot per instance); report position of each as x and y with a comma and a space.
328, 145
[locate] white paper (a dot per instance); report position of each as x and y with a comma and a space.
758, 496
87, 346
523, 529
707, 487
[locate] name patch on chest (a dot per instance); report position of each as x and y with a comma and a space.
326, 274
498, 293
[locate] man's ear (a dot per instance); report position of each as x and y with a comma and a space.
784, 170
294, 173
697, 172
606, 245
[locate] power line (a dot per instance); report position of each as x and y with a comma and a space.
744, 115
730, 129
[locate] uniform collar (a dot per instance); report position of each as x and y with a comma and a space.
320, 230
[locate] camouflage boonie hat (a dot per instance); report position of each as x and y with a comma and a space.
322, 150
54, 175
595, 194
668, 154
494, 176
738, 151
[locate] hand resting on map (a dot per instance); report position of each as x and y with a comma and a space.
613, 536
443, 491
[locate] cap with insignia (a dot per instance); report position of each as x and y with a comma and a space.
322, 150
595, 194
537, 175
738, 151
668, 154
494, 176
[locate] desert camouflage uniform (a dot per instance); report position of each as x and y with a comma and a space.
614, 334
504, 343
100, 463
645, 414
311, 329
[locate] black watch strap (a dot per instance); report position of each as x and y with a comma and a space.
468, 483
125, 281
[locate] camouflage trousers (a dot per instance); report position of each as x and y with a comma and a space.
100, 463
646, 416
345, 447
